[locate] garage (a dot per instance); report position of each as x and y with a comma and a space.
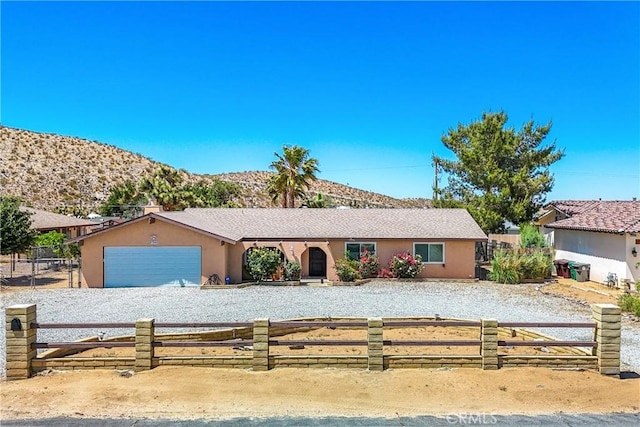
141, 266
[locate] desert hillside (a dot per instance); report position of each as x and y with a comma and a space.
49, 171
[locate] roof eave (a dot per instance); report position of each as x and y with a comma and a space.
591, 229
158, 217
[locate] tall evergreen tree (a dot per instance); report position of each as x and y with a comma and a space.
501, 174
16, 234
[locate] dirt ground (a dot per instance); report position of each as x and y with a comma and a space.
18, 277
193, 393
399, 334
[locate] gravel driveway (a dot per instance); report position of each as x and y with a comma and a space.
378, 299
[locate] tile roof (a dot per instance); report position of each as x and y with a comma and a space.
599, 215
44, 220
572, 207
248, 224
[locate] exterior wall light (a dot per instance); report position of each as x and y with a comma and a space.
634, 252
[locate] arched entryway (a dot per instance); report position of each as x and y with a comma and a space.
317, 262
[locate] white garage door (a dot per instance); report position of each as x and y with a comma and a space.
132, 266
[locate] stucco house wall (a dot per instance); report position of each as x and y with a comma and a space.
606, 252
459, 255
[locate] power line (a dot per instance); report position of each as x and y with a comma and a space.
375, 168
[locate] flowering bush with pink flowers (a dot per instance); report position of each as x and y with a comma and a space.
347, 269
405, 266
385, 273
369, 265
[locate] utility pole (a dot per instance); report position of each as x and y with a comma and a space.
435, 181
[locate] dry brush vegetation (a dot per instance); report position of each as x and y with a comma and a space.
49, 171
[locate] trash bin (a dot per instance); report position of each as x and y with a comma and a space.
582, 271
572, 270
481, 272
562, 268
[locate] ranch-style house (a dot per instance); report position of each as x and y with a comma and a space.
184, 248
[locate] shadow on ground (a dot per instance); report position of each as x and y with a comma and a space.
629, 375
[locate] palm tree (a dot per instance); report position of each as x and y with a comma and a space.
294, 172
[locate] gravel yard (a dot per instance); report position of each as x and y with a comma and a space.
378, 299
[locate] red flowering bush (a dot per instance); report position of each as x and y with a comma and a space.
385, 273
369, 265
404, 266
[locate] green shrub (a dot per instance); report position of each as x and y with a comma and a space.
347, 269
535, 264
292, 270
262, 263
508, 266
53, 240
72, 250
530, 237
505, 267
404, 266
630, 304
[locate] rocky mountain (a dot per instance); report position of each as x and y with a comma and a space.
50, 171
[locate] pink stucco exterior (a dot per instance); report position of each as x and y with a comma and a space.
214, 251
225, 258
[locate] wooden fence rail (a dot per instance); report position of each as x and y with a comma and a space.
547, 324
36, 325
21, 327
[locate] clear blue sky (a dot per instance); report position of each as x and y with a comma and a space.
368, 87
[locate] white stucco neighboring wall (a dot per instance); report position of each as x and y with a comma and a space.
549, 217
549, 235
633, 263
606, 252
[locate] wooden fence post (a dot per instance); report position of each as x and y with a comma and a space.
608, 325
489, 346
375, 344
145, 335
261, 344
19, 335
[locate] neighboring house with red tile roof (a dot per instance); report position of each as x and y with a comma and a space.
184, 248
70, 226
602, 233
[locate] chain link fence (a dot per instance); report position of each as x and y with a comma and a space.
40, 267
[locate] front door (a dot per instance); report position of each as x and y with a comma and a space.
317, 262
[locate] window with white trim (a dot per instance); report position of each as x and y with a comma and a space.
355, 249
431, 253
